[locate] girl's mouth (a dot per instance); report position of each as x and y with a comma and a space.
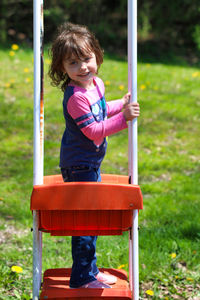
84, 75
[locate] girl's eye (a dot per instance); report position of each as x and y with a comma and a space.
87, 59
73, 62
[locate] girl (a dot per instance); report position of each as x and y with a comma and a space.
76, 58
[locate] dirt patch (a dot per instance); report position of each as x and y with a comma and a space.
10, 232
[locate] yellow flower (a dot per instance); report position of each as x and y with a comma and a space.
15, 47
11, 53
26, 70
173, 255
27, 80
121, 87
7, 85
195, 74
143, 87
107, 82
16, 269
47, 61
148, 65
166, 298
155, 88
189, 279
120, 267
150, 292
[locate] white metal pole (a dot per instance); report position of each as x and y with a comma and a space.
133, 159
38, 138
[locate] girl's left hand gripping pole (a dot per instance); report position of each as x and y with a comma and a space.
38, 138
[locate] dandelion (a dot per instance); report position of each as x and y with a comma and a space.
143, 87
27, 80
148, 65
195, 74
121, 87
189, 279
149, 292
107, 82
12, 80
15, 47
166, 298
16, 269
173, 255
120, 267
11, 53
26, 70
7, 85
47, 61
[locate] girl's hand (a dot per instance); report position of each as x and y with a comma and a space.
126, 99
131, 111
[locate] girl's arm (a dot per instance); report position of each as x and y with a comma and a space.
99, 130
79, 110
115, 106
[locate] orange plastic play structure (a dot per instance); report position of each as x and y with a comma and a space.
85, 208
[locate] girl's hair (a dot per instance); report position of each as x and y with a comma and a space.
71, 40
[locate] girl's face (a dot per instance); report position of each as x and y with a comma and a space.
81, 71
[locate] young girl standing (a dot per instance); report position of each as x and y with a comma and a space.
76, 58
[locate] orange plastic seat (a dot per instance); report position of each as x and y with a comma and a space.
86, 208
56, 286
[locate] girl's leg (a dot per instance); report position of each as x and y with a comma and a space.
84, 266
84, 260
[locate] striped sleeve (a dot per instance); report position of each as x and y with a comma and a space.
79, 109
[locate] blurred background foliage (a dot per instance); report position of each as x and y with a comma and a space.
162, 24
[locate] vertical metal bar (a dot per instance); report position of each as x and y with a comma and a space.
38, 138
133, 159
37, 245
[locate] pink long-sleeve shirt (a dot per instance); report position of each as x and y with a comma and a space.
87, 125
83, 102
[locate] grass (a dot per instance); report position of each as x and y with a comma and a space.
169, 175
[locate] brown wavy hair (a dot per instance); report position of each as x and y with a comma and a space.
71, 40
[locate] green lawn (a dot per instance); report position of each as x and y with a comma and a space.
169, 175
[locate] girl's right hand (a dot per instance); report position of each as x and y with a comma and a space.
131, 111
126, 99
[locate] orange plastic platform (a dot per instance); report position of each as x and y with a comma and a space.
56, 286
86, 208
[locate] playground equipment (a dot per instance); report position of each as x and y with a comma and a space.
106, 208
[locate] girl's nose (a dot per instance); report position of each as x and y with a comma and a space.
83, 65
